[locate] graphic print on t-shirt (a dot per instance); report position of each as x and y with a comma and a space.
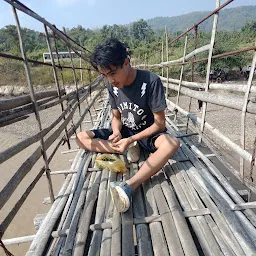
143, 89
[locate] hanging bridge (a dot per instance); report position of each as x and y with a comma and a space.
190, 207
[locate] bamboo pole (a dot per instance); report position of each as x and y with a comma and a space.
158, 241
32, 95
192, 71
243, 228
18, 240
56, 79
186, 206
142, 231
29, 163
247, 156
169, 228
181, 74
38, 245
162, 56
214, 171
167, 59
8, 104
15, 149
240, 231
220, 229
213, 86
225, 230
178, 61
95, 244
75, 78
84, 224
234, 102
26, 107
185, 236
214, 28
243, 114
106, 242
243, 206
76, 165
80, 190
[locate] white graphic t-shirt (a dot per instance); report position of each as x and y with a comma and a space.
138, 101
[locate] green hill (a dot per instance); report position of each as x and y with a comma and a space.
229, 19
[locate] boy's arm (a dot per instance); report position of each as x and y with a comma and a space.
116, 125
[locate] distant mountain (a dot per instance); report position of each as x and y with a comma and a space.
229, 19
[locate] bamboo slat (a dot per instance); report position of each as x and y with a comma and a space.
185, 205
38, 245
95, 244
169, 228
84, 224
157, 236
234, 102
212, 86
22, 100
185, 237
144, 245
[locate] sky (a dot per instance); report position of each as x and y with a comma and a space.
96, 13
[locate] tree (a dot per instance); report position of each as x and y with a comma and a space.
140, 30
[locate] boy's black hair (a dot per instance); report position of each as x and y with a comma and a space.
111, 52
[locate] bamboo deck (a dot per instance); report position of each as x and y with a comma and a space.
186, 209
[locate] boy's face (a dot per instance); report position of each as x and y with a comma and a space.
117, 76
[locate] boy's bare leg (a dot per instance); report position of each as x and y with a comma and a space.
86, 141
166, 146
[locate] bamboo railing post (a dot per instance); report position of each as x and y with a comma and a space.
192, 70
162, 56
56, 79
32, 95
243, 114
214, 28
181, 74
90, 80
75, 79
167, 59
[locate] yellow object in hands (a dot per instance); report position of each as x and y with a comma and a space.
110, 162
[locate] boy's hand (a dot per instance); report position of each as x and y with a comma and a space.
115, 137
121, 145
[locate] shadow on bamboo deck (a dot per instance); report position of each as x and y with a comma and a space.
187, 208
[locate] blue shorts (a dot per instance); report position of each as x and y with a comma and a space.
148, 143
